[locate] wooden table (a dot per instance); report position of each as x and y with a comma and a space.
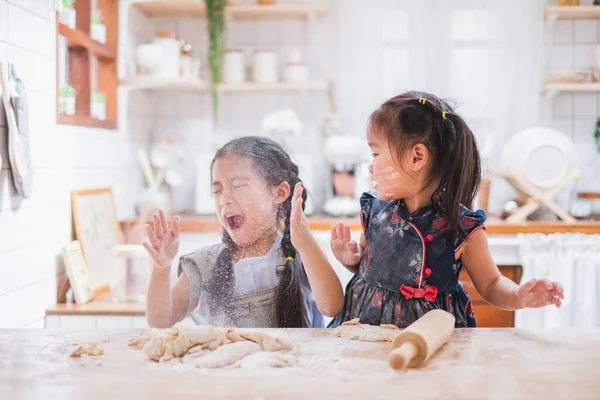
475, 364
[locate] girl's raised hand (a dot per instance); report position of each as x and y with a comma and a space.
163, 241
299, 230
344, 249
540, 293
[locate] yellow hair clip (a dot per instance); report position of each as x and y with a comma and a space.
422, 100
289, 259
225, 246
444, 115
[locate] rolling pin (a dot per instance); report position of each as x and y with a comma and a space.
415, 344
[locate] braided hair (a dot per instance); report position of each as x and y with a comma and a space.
415, 117
273, 164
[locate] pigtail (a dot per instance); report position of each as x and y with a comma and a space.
221, 283
290, 307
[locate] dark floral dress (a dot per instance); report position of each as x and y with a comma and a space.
408, 267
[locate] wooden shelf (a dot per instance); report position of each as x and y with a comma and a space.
197, 9
79, 39
88, 122
573, 12
180, 84
153, 83
573, 87
278, 10
274, 87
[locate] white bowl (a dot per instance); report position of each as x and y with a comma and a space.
543, 155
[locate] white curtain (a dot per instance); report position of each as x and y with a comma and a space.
574, 261
485, 54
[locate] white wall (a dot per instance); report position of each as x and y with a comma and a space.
32, 231
573, 45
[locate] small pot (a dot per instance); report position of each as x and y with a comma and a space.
265, 66
67, 16
234, 66
66, 105
98, 32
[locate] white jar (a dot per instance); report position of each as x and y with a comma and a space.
98, 32
168, 67
265, 66
234, 67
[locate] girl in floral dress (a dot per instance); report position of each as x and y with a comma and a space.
418, 229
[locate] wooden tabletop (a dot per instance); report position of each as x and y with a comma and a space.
198, 224
475, 364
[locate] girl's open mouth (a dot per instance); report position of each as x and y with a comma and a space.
235, 222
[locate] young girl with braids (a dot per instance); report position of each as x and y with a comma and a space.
418, 231
262, 273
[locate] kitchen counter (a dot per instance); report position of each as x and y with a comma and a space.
196, 224
475, 364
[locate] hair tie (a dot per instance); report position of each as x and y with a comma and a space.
225, 246
289, 259
444, 115
422, 100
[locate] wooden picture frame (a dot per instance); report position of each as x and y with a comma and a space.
77, 272
98, 231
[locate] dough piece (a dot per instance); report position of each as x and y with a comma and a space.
191, 358
355, 321
227, 354
91, 350
388, 326
205, 335
139, 341
367, 333
268, 342
267, 360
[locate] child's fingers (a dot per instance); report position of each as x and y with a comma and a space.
297, 192
352, 246
152, 236
163, 221
175, 226
530, 285
547, 284
346, 236
355, 258
557, 302
298, 209
559, 289
150, 250
158, 230
340, 231
333, 232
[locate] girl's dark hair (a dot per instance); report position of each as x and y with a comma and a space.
272, 163
412, 118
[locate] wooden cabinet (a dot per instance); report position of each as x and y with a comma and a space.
488, 316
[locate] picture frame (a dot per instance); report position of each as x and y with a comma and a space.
96, 228
77, 272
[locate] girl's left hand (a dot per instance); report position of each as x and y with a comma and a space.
299, 230
540, 293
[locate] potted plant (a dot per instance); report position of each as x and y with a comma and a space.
215, 14
66, 14
66, 100
97, 28
98, 106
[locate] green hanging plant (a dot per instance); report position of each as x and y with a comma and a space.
215, 13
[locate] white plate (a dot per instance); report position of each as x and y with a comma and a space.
542, 155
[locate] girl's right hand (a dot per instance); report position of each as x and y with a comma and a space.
164, 242
344, 249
